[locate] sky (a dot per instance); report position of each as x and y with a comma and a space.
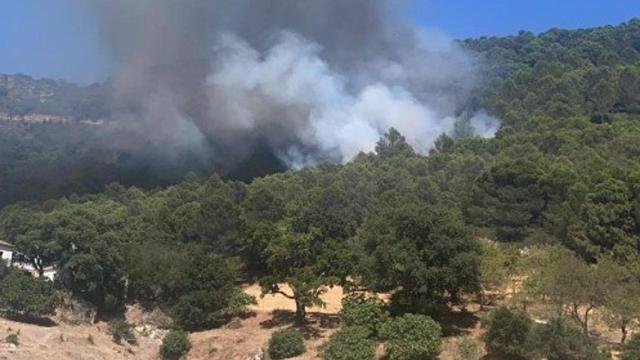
51, 38
474, 18
58, 39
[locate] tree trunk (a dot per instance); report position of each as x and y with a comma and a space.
624, 333
574, 313
585, 324
301, 312
37, 265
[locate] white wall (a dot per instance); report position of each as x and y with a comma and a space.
50, 274
7, 254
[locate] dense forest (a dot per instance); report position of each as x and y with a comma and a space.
559, 179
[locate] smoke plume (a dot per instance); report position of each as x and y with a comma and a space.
311, 79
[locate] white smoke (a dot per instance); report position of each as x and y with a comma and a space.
331, 116
484, 125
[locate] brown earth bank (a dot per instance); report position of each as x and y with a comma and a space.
63, 341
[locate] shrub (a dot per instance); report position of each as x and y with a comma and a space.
350, 343
237, 302
121, 330
411, 336
12, 338
631, 350
210, 308
367, 313
4, 270
175, 345
560, 340
468, 350
194, 311
24, 295
506, 331
286, 343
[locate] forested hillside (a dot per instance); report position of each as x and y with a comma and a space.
561, 73
22, 95
565, 164
564, 169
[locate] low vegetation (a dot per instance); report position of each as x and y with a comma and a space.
24, 296
411, 336
122, 330
507, 331
13, 338
468, 350
560, 339
350, 343
631, 350
175, 345
365, 313
514, 334
286, 343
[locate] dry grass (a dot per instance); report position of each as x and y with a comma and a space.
268, 303
70, 342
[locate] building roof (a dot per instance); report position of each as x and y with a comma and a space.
4, 243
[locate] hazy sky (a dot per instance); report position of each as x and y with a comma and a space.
57, 39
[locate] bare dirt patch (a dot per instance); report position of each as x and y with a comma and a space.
271, 313
69, 342
268, 303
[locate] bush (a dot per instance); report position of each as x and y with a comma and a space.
367, 313
209, 308
631, 350
410, 337
561, 340
175, 345
286, 343
24, 295
121, 330
194, 311
468, 350
350, 343
4, 269
506, 331
12, 338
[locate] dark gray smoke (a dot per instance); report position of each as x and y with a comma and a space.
311, 78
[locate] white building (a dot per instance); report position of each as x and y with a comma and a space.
48, 272
6, 252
